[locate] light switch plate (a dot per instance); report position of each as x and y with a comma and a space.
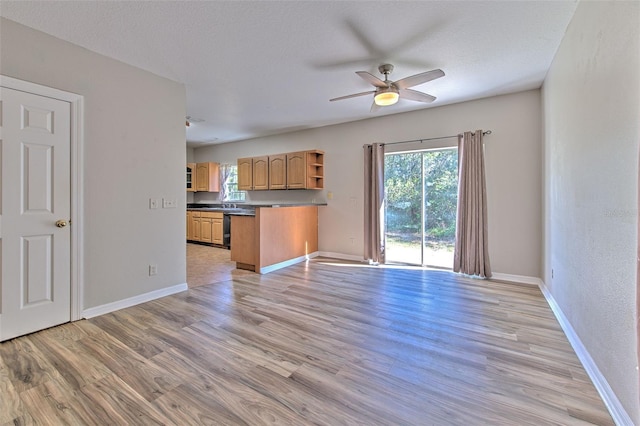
154, 203
169, 203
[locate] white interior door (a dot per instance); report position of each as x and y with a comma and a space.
35, 209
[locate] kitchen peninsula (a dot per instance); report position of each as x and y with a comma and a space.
267, 237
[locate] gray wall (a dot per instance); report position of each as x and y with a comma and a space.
591, 110
134, 149
513, 160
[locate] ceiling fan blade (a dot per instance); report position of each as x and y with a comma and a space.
414, 80
352, 96
414, 95
374, 107
371, 79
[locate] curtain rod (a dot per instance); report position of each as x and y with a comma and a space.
487, 132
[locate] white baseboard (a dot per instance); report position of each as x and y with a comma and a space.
611, 401
521, 279
286, 263
341, 256
132, 301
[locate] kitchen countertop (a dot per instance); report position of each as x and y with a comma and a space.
244, 209
229, 211
196, 206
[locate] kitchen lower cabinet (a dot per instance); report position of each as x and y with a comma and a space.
196, 226
205, 227
190, 225
217, 230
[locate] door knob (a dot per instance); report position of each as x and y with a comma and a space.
61, 223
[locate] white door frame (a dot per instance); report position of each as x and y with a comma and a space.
77, 172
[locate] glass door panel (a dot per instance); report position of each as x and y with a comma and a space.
421, 190
440, 199
403, 192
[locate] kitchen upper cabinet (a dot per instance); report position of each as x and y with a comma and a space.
245, 174
314, 169
296, 176
305, 170
278, 171
294, 170
260, 173
208, 177
191, 177
253, 173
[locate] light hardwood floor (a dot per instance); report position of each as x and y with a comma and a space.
320, 343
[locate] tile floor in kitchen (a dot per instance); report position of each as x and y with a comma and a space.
206, 265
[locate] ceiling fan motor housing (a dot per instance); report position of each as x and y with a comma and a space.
385, 69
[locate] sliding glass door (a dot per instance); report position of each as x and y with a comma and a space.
421, 190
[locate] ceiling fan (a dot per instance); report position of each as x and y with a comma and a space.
388, 92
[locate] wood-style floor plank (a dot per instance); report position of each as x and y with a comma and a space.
320, 343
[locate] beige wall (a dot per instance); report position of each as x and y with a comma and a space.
134, 149
513, 157
592, 105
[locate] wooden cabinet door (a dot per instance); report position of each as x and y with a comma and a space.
208, 177
296, 170
191, 177
189, 225
278, 171
245, 174
217, 233
205, 229
260, 173
196, 227
202, 177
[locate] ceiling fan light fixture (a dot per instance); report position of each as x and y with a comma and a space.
386, 97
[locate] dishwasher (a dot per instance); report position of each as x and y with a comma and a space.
226, 231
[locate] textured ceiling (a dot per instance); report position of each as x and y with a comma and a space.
254, 68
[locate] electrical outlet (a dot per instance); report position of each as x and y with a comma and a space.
153, 270
154, 203
169, 204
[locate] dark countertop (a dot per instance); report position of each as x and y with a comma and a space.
229, 211
247, 206
244, 209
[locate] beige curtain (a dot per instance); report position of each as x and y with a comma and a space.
374, 203
471, 254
